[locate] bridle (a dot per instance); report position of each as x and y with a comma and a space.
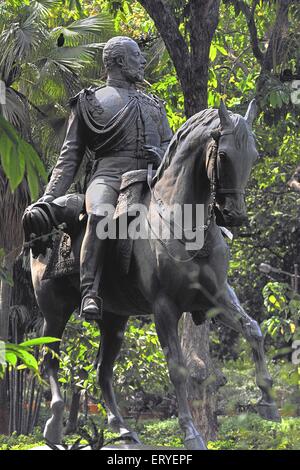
212, 163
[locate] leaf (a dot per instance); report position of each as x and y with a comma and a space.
212, 52
221, 49
12, 159
16, 155
33, 180
30, 154
11, 358
27, 359
39, 341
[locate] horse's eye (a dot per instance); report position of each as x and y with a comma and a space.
222, 155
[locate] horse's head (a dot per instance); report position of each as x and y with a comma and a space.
235, 157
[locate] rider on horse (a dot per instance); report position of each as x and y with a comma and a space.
126, 129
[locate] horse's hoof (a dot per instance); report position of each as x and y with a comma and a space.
196, 443
131, 437
268, 411
53, 431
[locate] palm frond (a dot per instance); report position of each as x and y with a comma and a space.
41, 8
17, 41
81, 28
14, 110
78, 53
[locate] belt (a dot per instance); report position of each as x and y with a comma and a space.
121, 154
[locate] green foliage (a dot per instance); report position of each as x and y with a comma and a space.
249, 432
81, 343
244, 432
241, 394
37, 75
141, 365
21, 442
18, 158
283, 306
20, 356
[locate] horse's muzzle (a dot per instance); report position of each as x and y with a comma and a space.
233, 219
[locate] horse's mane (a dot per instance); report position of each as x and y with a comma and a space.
195, 134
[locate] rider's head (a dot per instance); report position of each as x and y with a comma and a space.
123, 59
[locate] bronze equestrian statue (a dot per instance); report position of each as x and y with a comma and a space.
208, 163
127, 130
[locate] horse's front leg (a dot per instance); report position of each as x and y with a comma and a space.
112, 332
166, 320
234, 316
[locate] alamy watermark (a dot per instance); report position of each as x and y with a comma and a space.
2, 92
136, 222
295, 91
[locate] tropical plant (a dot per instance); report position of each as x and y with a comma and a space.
20, 355
283, 307
42, 58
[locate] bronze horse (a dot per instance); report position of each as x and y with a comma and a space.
208, 162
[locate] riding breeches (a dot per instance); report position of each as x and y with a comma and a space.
101, 198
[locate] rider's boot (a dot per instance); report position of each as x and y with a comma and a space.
91, 263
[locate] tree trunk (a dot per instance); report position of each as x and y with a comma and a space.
5, 292
74, 410
5, 296
204, 378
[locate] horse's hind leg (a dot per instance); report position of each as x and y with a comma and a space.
112, 332
234, 316
56, 316
166, 320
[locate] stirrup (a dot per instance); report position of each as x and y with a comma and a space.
90, 317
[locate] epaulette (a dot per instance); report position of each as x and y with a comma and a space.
74, 99
153, 98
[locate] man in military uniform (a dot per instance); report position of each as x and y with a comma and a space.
126, 129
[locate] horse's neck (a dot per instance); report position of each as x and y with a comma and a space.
184, 182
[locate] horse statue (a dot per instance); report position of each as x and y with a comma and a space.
208, 163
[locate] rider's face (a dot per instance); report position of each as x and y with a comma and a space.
134, 63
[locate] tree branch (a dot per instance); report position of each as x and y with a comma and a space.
249, 15
166, 23
273, 55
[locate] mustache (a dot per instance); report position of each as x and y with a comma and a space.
131, 71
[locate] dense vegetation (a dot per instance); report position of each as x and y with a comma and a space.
51, 49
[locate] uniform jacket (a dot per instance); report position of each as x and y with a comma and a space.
115, 123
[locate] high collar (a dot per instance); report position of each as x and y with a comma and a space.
119, 83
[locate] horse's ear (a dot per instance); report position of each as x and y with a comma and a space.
224, 116
251, 112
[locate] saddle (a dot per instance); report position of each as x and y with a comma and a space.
133, 185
